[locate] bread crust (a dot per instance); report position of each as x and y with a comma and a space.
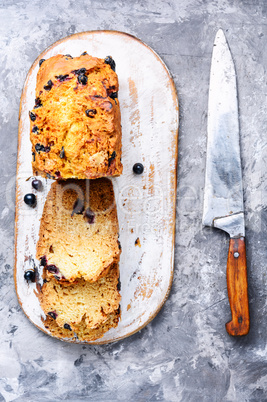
75, 125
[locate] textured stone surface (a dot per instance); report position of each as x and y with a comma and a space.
185, 354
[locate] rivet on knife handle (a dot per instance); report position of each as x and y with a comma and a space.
237, 286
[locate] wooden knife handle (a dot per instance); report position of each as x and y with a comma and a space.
237, 286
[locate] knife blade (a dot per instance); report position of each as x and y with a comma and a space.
223, 194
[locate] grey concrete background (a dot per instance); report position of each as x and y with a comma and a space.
185, 354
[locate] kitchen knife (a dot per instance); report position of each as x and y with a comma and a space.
223, 196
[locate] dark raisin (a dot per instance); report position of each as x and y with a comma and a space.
29, 276
37, 184
32, 116
67, 326
84, 53
113, 156
30, 199
58, 174
89, 215
49, 85
43, 261
90, 112
38, 103
41, 148
52, 314
119, 285
78, 207
62, 153
35, 129
52, 268
138, 168
109, 60
79, 71
114, 95
41, 62
82, 79
62, 77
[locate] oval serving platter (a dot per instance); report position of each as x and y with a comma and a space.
145, 203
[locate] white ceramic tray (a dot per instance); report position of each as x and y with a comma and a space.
145, 203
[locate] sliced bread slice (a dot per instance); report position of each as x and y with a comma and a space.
78, 235
82, 301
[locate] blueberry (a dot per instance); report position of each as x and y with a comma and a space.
38, 103
29, 276
32, 116
138, 168
79, 71
82, 79
43, 261
49, 85
33, 156
35, 129
119, 285
41, 148
41, 62
68, 55
89, 215
37, 184
111, 62
52, 268
52, 314
113, 156
84, 53
113, 95
62, 77
90, 112
30, 199
67, 326
62, 153
78, 207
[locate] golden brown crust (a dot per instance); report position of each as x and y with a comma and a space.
76, 245
76, 124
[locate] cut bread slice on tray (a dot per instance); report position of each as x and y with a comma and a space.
89, 303
83, 333
78, 235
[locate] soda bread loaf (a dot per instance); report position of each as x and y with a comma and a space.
78, 236
83, 333
82, 301
75, 125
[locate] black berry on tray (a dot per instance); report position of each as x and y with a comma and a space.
37, 184
30, 199
138, 168
29, 276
